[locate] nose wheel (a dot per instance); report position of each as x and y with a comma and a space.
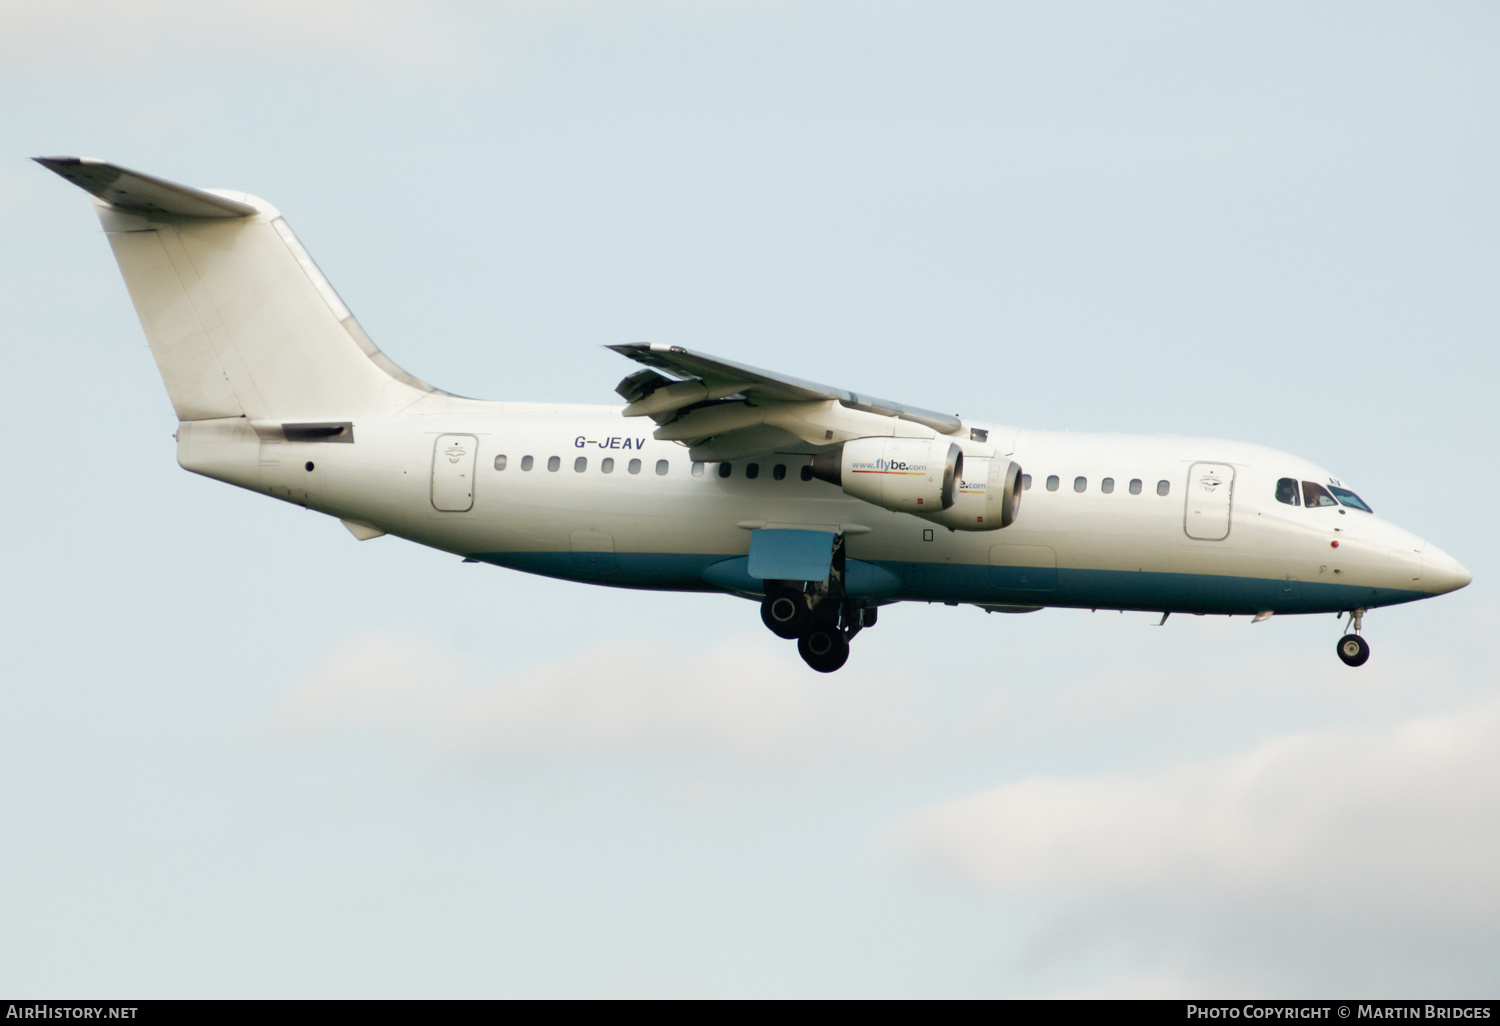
1353, 649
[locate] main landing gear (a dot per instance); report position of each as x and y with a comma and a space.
817, 614
1353, 649
822, 624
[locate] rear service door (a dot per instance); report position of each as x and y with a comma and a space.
453, 473
1210, 491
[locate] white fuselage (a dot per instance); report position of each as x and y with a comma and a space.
669, 523
717, 476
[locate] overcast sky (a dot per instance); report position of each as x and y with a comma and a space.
246, 755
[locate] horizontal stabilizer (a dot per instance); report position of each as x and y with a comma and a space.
132, 190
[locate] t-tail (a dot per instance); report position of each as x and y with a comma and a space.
252, 342
240, 320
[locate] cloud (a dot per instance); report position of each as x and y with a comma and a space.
1353, 857
736, 701
1329, 820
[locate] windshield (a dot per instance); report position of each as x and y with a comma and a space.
1348, 498
1316, 495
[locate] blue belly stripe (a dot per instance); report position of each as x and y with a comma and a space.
950, 582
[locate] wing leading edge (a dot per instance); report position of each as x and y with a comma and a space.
725, 410
755, 383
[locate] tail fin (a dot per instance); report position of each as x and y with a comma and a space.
240, 320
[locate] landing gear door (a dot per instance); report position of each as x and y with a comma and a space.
453, 473
1210, 492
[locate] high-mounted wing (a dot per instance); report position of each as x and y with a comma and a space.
726, 410
754, 383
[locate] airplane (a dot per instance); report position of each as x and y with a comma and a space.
820, 504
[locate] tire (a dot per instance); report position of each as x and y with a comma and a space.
1353, 650
786, 615
823, 650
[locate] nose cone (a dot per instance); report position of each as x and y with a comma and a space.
1441, 572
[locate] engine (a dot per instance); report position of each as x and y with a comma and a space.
989, 496
909, 475
927, 477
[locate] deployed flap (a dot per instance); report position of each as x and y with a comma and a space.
133, 190
787, 555
719, 378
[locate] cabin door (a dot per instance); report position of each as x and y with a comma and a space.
1210, 491
453, 473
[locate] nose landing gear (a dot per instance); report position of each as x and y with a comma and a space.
1353, 649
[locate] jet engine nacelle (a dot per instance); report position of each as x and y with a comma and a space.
989, 496
908, 475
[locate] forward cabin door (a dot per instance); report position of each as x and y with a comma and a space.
1210, 492
453, 473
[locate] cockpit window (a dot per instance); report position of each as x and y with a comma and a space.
1286, 491
1316, 495
1348, 498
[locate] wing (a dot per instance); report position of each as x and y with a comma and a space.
726, 411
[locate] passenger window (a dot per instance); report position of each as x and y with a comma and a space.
1163, 487
634, 466
752, 470
499, 462
697, 468
526, 462
1316, 495
1026, 482
807, 473
1052, 483
1107, 486
661, 468
1080, 484
779, 472
1135, 486
1348, 498
553, 462
1286, 491
725, 469
581, 464
607, 465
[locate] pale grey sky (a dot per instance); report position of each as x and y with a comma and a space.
246, 755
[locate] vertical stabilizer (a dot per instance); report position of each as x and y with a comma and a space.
239, 318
